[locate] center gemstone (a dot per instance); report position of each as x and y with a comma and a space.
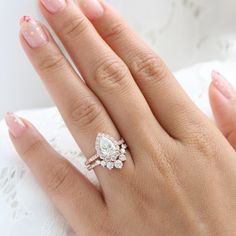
107, 147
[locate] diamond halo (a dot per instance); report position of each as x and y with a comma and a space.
110, 153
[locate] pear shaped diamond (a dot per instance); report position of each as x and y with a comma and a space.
107, 147
110, 153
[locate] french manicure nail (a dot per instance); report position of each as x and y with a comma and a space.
54, 6
15, 124
32, 32
223, 85
91, 8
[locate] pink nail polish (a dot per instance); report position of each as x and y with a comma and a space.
15, 124
32, 32
91, 8
223, 86
54, 6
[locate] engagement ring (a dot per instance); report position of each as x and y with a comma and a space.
110, 153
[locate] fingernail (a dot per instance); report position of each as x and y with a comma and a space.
223, 85
91, 8
15, 124
32, 32
54, 6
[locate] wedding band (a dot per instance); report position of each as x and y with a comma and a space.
110, 153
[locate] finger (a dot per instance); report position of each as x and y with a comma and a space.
83, 113
223, 101
168, 101
75, 197
104, 73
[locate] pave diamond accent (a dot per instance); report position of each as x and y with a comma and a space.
103, 163
110, 165
122, 150
98, 162
110, 153
107, 147
122, 157
118, 164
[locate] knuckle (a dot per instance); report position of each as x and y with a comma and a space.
99, 228
74, 28
201, 141
107, 230
52, 62
32, 148
57, 178
142, 196
160, 159
85, 113
112, 75
149, 67
114, 32
160, 156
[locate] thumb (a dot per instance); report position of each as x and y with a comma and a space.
223, 102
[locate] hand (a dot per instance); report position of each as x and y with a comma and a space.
179, 176
223, 101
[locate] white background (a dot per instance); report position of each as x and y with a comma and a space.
19, 85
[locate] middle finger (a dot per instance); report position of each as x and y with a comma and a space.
104, 72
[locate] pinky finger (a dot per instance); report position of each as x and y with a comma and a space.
223, 102
73, 195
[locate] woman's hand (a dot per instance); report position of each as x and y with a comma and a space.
223, 101
179, 176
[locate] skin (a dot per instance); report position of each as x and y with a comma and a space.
179, 178
224, 110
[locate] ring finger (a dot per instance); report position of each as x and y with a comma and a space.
82, 111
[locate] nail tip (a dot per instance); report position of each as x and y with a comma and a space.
25, 19
223, 85
215, 73
8, 114
93, 9
33, 32
8, 117
54, 6
15, 124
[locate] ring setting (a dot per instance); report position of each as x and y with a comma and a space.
110, 153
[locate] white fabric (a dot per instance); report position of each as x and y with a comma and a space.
25, 209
